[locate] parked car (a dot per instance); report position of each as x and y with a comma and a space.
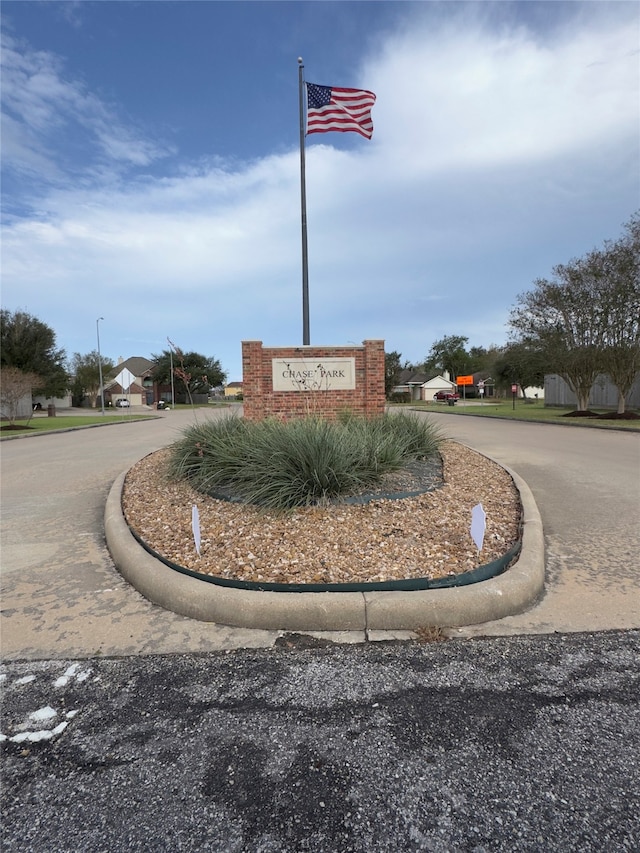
442, 396
122, 403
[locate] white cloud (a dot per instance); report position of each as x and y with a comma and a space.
496, 153
40, 104
471, 97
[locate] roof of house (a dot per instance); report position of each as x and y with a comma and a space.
233, 385
416, 377
113, 387
138, 365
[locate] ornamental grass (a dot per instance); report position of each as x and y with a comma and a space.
280, 465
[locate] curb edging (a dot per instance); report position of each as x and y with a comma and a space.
512, 592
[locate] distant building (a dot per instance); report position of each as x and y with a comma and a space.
416, 385
131, 378
233, 389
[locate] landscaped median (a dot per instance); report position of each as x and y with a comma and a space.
511, 592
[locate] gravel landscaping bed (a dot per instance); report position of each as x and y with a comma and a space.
426, 536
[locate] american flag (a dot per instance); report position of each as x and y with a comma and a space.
330, 108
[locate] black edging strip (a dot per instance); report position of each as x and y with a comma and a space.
481, 573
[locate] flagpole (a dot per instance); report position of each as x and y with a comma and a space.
303, 205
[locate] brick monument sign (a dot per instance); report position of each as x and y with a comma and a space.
298, 381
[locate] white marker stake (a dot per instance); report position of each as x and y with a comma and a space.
478, 525
195, 526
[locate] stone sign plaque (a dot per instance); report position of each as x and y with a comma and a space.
304, 374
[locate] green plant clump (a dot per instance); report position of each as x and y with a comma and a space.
284, 464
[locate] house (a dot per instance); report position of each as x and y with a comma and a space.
481, 381
530, 391
131, 379
423, 386
233, 389
57, 402
21, 405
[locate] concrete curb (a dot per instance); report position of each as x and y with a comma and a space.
506, 595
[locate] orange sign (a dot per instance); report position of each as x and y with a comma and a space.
464, 380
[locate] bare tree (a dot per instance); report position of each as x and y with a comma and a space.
15, 385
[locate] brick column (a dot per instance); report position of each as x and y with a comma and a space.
374, 377
252, 380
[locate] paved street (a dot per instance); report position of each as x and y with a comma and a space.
505, 744
586, 483
61, 596
126, 727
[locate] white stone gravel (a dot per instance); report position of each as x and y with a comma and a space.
425, 536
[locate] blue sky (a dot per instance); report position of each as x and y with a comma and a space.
151, 167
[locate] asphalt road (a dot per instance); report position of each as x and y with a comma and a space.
62, 597
586, 483
505, 744
509, 743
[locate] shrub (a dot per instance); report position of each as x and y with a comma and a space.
280, 465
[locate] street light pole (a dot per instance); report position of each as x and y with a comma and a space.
100, 364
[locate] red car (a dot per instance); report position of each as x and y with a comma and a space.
443, 396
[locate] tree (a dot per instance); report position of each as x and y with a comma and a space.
585, 320
561, 318
482, 360
392, 371
86, 372
449, 354
30, 345
193, 372
521, 363
479, 358
15, 385
618, 271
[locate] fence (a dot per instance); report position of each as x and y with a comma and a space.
604, 394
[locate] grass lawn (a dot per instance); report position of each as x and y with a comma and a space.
61, 422
534, 411
42, 423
